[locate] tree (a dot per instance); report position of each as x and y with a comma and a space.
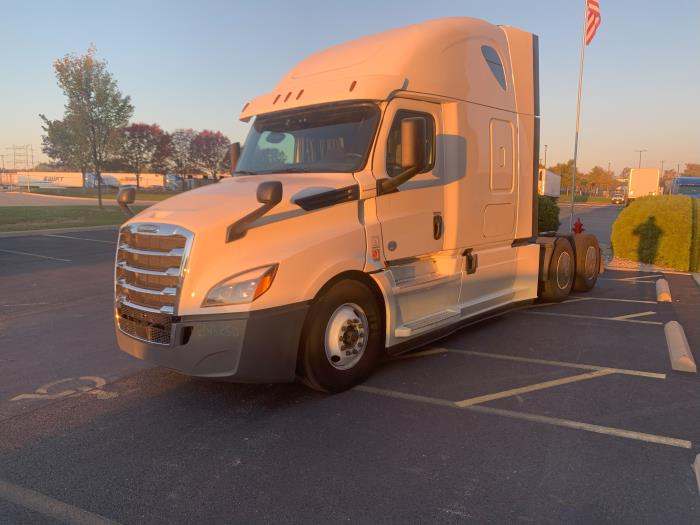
692, 170
138, 146
209, 151
599, 178
565, 170
181, 151
95, 108
63, 144
162, 155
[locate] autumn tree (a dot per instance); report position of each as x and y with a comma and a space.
138, 147
209, 151
565, 171
95, 109
162, 155
181, 151
62, 143
691, 170
599, 178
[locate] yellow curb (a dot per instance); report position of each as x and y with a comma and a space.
679, 349
663, 292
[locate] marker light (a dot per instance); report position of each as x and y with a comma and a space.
242, 288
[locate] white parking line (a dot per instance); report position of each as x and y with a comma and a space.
50, 507
589, 317
78, 238
532, 388
611, 299
564, 364
36, 255
535, 418
631, 316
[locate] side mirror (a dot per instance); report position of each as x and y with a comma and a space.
126, 196
269, 193
413, 143
413, 137
235, 155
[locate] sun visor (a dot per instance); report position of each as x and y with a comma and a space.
290, 95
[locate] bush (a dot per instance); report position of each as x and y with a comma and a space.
661, 230
547, 214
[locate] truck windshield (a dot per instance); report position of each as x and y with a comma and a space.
324, 139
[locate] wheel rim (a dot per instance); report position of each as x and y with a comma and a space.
346, 336
564, 270
590, 263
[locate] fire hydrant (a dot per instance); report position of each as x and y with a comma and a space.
578, 226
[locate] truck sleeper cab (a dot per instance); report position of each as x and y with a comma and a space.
385, 196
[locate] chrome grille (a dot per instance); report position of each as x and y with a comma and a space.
148, 277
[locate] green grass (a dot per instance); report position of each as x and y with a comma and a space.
19, 218
143, 195
661, 230
585, 198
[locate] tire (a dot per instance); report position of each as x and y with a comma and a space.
343, 338
587, 262
560, 276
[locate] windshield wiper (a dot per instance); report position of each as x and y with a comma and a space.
245, 172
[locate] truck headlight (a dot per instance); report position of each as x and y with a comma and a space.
241, 288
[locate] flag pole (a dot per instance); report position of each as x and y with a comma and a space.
578, 114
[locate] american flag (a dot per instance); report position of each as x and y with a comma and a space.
592, 19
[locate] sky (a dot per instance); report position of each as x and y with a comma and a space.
195, 64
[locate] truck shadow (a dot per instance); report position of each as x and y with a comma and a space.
649, 234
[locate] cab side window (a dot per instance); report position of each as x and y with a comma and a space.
393, 147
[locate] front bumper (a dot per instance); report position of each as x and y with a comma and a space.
257, 347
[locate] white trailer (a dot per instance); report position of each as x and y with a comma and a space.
643, 182
549, 184
385, 197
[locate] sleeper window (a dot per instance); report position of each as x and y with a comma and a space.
495, 64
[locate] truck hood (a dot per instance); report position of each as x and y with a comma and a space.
217, 205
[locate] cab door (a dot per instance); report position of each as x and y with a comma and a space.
426, 283
411, 217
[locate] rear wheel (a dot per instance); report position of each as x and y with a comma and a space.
343, 338
587, 262
560, 276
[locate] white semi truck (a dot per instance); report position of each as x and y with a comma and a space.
386, 196
642, 183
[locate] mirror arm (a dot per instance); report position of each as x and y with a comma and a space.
239, 228
385, 186
126, 210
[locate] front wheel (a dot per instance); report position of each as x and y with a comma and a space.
343, 338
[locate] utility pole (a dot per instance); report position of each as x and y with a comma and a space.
640, 151
678, 170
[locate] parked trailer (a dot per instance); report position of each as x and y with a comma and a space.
686, 186
643, 182
549, 184
384, 198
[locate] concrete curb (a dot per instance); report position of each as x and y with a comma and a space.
696, 469
696, 276
663, 292
679, 349
25, 233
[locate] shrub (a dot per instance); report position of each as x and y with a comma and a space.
547, 214
659, 230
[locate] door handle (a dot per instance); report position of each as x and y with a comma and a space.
438, 226
472, 260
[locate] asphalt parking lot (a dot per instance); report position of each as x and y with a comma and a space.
565, 413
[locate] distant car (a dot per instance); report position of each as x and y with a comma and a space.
618, 198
